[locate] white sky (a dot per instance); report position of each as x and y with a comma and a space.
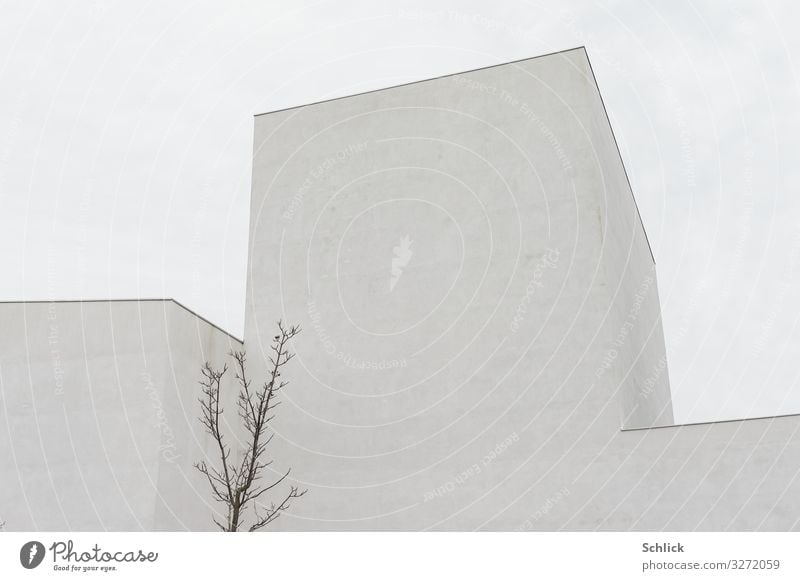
126, 135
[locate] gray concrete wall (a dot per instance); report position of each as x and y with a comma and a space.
481, 319
99, 415
636, 343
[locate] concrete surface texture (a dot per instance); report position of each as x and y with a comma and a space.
482, 343
99, 415
481, 319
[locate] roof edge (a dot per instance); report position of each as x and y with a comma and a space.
475, 70
619, 154
713, 422
148, 300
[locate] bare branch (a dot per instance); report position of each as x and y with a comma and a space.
275, 511
236, 485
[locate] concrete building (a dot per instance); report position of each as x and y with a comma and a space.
482, 344
98, 415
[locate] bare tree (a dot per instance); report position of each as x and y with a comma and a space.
238, 483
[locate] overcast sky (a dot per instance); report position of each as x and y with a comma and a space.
126, 138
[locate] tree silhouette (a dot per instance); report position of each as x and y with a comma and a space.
239, 483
